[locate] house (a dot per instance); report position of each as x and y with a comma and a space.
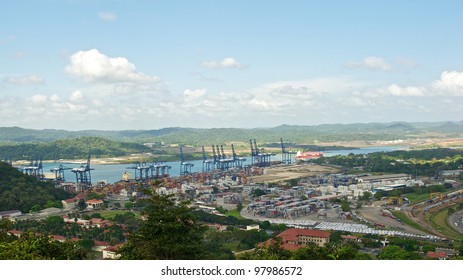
450, 252
251, 227
70, 202
58, 238
437, 255
14, 232
83, 223
295, 238
100, 223
94, 203
99, 246
111, 252
347, 238
9, 214
452, 172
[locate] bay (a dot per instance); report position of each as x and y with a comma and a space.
111, 173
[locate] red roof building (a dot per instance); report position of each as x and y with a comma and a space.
437, 255
94, 203
14, 232
295, 238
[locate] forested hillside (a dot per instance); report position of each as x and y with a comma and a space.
427, 162
71, 149
23, 192
293, 133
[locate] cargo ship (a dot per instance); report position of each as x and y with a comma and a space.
305, 156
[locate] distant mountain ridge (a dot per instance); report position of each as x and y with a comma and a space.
198, 136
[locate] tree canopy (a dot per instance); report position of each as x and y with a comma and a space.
32, 247
169, 231
21, 192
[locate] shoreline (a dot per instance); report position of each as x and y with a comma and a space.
406, 144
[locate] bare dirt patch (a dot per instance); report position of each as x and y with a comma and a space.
372, 213
287, 172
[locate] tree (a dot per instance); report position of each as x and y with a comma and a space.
378, 195
265, 225
270, 251
81, 205
366, 196
239, 207
35, 208
96, 215
86, 244
258, 192
394, 252
128, 205
345, 205
169, 231
310, 251
427, 248
32, 247
335, 236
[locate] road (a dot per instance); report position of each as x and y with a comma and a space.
456, 221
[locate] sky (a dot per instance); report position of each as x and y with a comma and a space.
132, 64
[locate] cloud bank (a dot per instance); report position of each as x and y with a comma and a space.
93, 66
371, 63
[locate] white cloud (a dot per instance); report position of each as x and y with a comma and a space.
93, 66
371, 63
194, 94
313, 101
24, 80
396, 90
228, 62
38, 99
107, 16
76, 96
450, 82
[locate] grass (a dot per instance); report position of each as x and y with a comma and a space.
406, 220
233, 246
413, 197
109, 214
235, 214
439, 221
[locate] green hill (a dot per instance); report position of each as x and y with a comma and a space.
71, 149
22, 192
300, 134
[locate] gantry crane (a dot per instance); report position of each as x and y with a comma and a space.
185, 167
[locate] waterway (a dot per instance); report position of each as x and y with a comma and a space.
113, 172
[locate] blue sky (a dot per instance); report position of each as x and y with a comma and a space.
150, 64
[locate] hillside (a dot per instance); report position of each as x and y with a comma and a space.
291, 133
71, 149
22, 192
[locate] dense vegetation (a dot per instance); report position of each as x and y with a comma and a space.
32, 246
168, 232
421, 162
332, 251
23, 192
294, 133
71, 149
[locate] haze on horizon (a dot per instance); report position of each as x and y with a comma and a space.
115, 65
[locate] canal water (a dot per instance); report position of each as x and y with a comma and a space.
113, 172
